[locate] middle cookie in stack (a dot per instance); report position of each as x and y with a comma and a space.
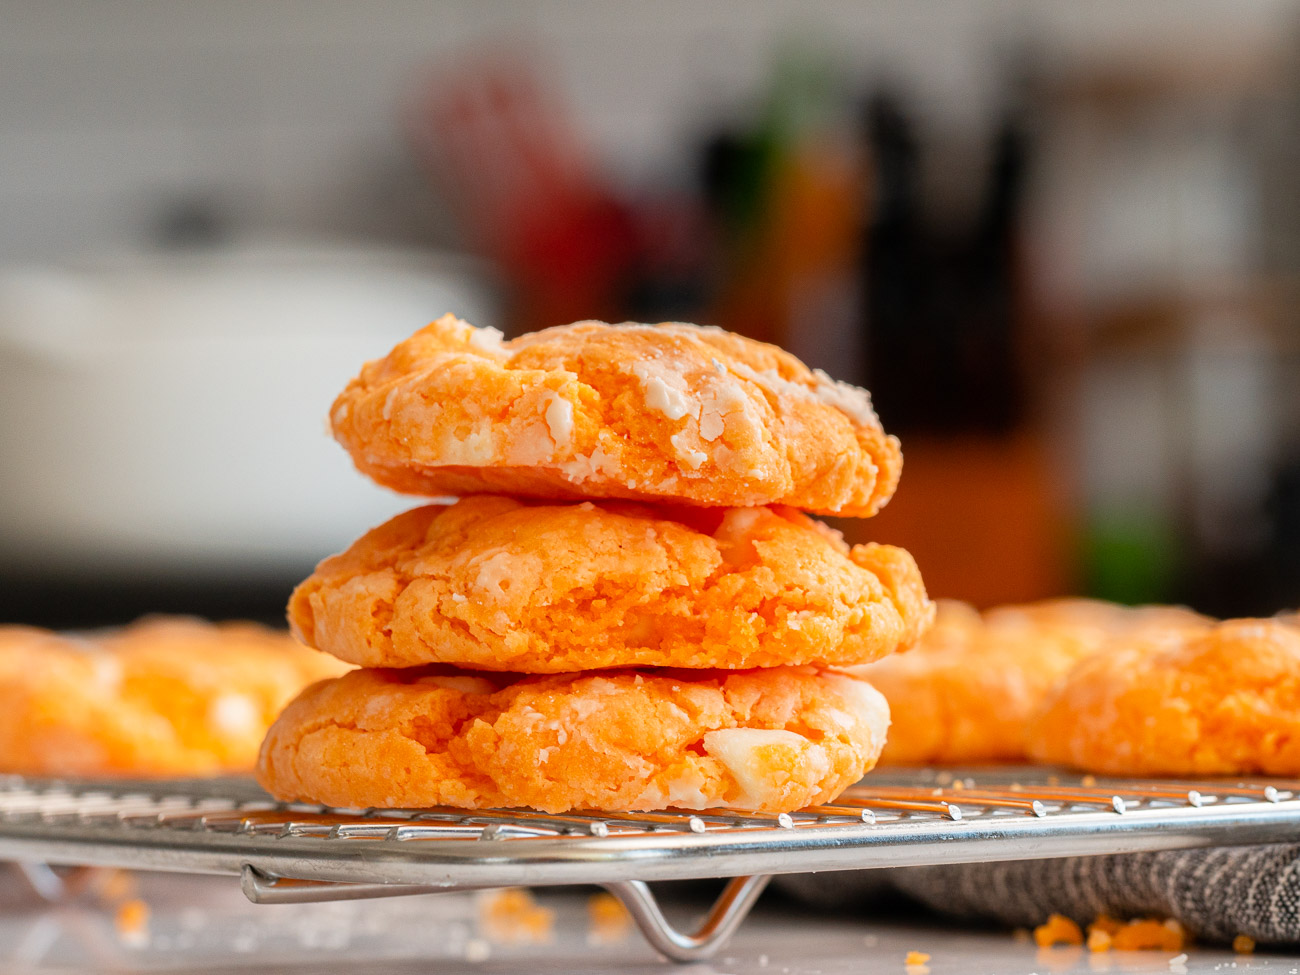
452, 604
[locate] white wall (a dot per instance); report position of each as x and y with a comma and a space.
285, 110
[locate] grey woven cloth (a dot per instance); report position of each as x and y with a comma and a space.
1216, 893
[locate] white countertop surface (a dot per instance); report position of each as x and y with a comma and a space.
204, 924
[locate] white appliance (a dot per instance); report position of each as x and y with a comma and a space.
165, 413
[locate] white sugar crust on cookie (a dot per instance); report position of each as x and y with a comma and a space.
673, 412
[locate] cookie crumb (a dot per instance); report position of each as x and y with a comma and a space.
1058, 930
513, 916
1105, 922
609, 919
132, 923
1098, 940
1149, 934
114, 886
1243, 944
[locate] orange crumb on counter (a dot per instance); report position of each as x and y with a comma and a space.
1149, 934
1144, 934
512, 915
1098, 939
916, 958
132, 920
608, 918
1243, 944
115, 886
1058, 930
1106, 923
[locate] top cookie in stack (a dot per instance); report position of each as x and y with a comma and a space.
694, 447
669, 413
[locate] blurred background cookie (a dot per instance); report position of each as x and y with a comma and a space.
966, 692
1222, 700
165, 696
499, 584
772, 740
647, 412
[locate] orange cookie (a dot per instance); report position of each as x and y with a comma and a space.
1093, 619
674, 413
966, 692
493, 583
161, 697
771, 740
1224, 700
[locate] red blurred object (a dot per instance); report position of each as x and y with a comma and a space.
507, 156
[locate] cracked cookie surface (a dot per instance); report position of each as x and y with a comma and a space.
164, 696
770, 740
493, 583
673, 412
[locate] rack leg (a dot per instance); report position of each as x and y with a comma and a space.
262, 888
723, 918
726, 914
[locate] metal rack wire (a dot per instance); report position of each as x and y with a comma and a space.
295, 852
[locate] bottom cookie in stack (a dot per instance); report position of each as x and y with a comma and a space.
768, 740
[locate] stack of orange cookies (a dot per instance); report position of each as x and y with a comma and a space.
626, 608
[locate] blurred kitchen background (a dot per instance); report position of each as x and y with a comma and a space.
1059, 241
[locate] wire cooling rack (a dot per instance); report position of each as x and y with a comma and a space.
296, 852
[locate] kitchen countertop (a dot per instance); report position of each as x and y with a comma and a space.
204, 924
